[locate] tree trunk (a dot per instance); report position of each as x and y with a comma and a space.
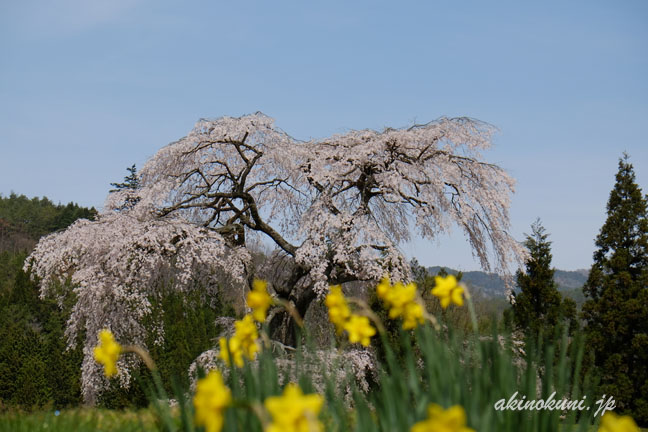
282, 326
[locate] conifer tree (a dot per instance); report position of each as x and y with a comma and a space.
539, 307
617, 291
131, 181
128, 188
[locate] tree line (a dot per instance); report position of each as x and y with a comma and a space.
615, 313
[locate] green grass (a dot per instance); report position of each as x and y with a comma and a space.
81, 419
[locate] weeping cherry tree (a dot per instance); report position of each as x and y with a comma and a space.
336, 208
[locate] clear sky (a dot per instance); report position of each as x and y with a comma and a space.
89, 87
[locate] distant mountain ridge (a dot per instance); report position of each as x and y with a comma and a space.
492, 285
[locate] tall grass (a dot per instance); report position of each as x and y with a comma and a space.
444, 367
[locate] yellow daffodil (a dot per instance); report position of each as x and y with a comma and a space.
359, 329
245, 329
439, 420
448, 291
611, 422
251, 348
242, 343
294, 412
231, 351
259, 300
412, 316
210, 401
338, 309
383, 288
340, 315
107, 352
400, 297
402, 302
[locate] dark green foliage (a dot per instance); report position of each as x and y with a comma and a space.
35, 368
617, 291
538, 307
82, 419
189, 330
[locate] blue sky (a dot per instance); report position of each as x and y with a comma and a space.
90, 87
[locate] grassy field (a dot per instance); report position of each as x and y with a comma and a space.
82, 419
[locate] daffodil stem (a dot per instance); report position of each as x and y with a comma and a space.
266, 340
256, 408
471, 310
432, 319
368, 312
143, 354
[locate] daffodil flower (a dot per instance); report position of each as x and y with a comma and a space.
451, 420
231, 351
242, 344
402, 302
412, 316
383, 288
259, 300
107, 352
611, 422
245, 329
400, 297
359, 330
338, 309
211, 399
448, 291
294, 411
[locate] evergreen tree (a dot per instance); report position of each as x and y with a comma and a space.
130, 185
131, 181
35, 367
617, 291
539, 307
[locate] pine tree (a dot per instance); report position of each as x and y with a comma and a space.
130, 185
539, 307
617, 291
131, 181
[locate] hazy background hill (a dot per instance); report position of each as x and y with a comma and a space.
491, 285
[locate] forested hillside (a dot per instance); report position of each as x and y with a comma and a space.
23, 220
35, 368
